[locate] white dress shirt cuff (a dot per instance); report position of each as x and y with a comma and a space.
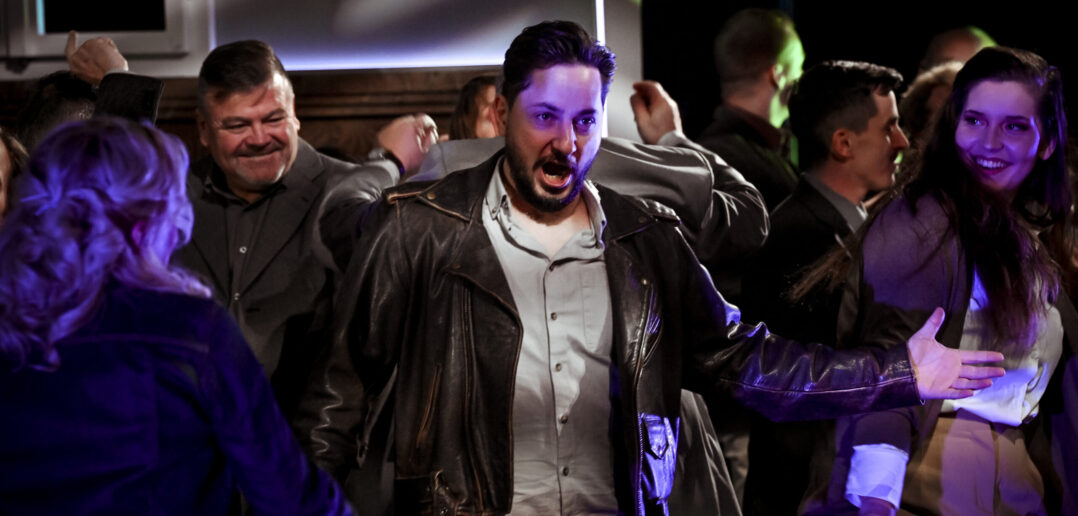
876, 470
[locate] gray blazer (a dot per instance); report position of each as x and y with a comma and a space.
284, 299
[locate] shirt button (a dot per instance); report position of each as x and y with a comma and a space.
553, 316
564, 418
557, 367
565, 471
243, 249
236, 296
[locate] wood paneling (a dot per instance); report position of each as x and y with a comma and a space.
342, 109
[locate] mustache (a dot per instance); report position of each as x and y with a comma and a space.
254, 152
555, 158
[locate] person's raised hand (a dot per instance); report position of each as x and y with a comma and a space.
655, 111
94, 58
409, 138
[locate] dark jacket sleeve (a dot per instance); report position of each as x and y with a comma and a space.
736, 221
354, 378
130, 96
271, 469
780, 378
346, 202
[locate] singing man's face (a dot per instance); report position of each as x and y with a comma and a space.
553, 134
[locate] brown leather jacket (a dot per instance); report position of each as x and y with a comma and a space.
426, 310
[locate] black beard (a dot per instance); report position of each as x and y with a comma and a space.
525, 187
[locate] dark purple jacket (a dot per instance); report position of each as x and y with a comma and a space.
158, 407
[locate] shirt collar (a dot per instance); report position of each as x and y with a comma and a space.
497, 202
853, 214
216, 183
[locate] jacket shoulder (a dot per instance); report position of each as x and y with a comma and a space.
658, 210
406, 191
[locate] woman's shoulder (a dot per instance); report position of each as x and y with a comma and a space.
131, 312
919, 218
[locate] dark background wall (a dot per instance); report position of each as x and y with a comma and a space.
678, 37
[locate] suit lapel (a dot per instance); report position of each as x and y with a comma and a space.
823, 210
476, 261
461, 195
286, 213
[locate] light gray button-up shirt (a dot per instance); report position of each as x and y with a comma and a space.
562, 455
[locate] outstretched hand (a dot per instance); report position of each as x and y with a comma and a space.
655, 111
945, 373
94, 58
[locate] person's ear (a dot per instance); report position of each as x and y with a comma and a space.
1047, 148
203, 127
842, 144
499, 114
776, 77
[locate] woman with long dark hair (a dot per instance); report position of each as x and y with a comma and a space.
979, 227
125, 389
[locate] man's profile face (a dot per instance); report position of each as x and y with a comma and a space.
252, 135
877, 148
553, 134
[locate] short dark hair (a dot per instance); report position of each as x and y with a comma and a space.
835, 95
237, 67
749, 43
462, 121
548, 44
54, 99
934, 55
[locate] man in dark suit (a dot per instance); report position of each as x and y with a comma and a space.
256, 198
845, 117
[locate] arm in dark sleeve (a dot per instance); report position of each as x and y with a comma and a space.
271, 469
780, 378
352, 381
346, 202
129, 95
735, 222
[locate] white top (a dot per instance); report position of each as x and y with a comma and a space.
877, 470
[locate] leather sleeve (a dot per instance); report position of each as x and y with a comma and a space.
735, 222
130, 96
346, 202
780, 378
354, 377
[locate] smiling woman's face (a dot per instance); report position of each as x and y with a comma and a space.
999, 137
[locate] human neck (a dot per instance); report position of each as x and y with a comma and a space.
761, 102
840, 180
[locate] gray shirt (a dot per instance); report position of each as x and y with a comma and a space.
562, 455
